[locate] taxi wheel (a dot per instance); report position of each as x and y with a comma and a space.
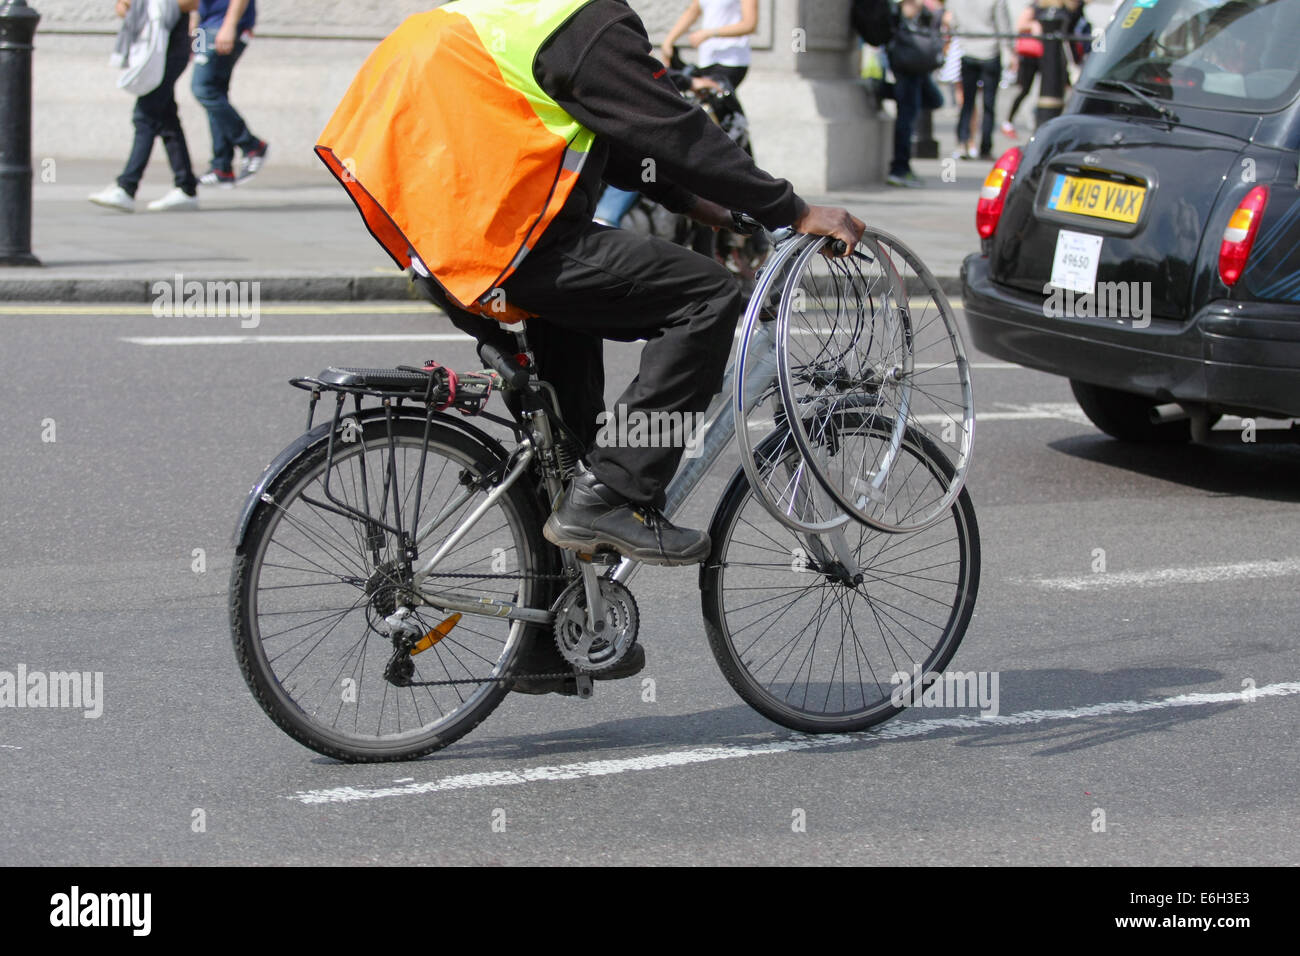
1126, 416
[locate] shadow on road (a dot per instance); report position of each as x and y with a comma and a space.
1266, 471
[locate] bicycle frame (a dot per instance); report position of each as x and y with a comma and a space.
719, 430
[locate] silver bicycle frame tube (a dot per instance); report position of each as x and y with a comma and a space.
719, 430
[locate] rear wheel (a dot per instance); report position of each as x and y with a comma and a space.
311, 586
1126, 416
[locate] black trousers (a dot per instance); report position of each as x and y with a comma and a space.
614, 284
1025, 73
155, 115
974, 72
735, 75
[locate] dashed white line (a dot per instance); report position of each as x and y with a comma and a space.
1158, 577
681, 758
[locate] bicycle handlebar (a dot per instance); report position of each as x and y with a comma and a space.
747, 225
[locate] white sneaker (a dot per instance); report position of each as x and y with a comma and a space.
176, 200
114, 197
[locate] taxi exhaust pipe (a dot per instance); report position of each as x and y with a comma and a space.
1164, 414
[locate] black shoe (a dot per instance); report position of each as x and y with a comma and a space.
633, 662
592, 516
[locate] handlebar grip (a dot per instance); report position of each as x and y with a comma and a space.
744, 224
504, 365
839, 248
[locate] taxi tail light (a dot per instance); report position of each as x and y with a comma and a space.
1239, 236
994, 194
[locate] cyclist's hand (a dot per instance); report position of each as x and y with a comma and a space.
834, 222
711, 214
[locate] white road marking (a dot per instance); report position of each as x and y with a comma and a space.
681, 758
1158, 577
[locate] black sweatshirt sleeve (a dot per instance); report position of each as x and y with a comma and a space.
598, 67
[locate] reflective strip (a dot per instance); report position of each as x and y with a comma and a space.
574, 160
519, 257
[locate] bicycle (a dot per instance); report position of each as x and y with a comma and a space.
396, 530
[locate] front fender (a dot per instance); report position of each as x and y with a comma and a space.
320, 435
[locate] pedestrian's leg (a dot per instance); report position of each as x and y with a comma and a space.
173, 136
969, 90
211, 85
614, 204
626, 287
1024, 80
907, 93
147, 127
992, 75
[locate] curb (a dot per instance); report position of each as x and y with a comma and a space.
376, 288
323, 288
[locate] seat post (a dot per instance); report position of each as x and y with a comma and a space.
521, 344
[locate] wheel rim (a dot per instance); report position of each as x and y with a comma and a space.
941, 404
843, 342
787, 490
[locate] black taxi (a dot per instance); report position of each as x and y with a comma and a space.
1146, 243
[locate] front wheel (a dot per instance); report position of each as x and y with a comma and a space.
822, 647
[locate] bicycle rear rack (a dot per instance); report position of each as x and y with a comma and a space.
434, 389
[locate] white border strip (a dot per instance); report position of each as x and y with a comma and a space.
1158, 577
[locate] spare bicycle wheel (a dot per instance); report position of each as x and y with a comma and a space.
940, 402
782, 482
843, 343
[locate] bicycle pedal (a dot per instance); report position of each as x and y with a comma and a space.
602, 557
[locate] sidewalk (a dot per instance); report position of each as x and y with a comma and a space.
295, 231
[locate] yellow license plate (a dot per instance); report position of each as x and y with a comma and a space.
1098, 198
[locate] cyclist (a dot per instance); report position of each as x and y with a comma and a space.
475, 140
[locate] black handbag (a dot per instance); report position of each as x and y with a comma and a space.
917, 47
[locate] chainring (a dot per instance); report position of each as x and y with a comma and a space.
588, 652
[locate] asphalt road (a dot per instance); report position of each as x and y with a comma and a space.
156, 444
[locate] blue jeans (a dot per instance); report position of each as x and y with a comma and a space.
614, 205
211, 85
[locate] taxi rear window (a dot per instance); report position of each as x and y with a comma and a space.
1226, 54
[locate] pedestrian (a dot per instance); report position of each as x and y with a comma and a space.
1029, 52
722, 41
223, 30
914, 52
1057, 17
153, 48
981, 63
